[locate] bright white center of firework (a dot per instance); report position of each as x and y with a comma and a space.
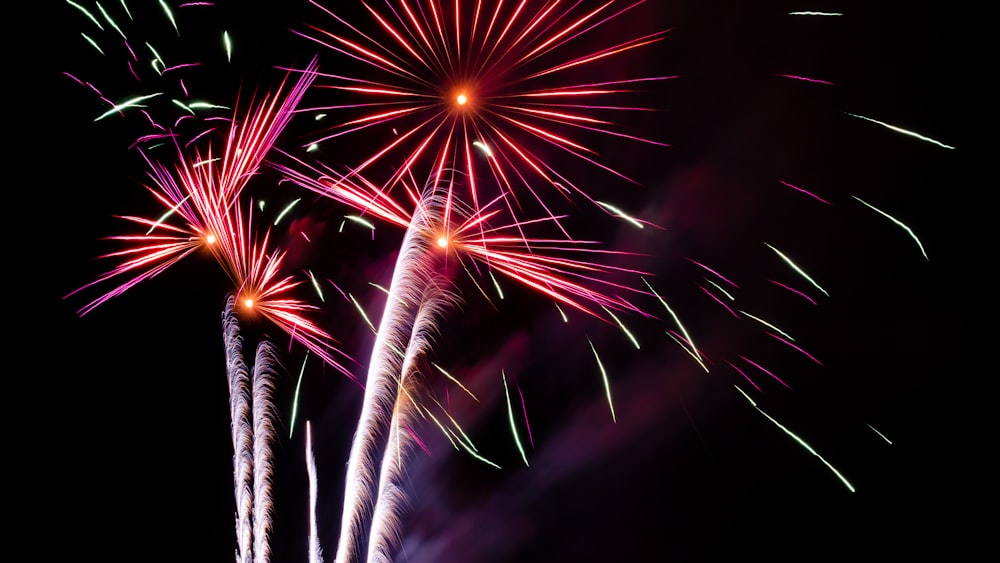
210, 239
442, 242
462, 99
248, 303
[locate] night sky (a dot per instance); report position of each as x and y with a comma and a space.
124, 413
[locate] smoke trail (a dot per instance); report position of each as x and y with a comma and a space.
409, 276
264, 436
239, 412
315, 552
385, 536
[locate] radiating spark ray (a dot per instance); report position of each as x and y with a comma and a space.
227, 42
807, 192
899, 223
620, 214
800, 441
455, 381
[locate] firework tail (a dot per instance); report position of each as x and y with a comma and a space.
239, 411
315, 552
410, 273
264, 437
385, 536
253, 416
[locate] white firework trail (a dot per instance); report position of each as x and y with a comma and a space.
238, 377
315, 551
393, 335
385, 535
252, 419
264, 437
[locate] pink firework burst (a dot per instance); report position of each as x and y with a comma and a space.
485, 90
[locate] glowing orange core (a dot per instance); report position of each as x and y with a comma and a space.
442, 242
461, 99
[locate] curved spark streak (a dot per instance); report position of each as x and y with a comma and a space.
264, 437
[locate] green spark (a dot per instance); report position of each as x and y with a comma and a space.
800, 441
604, 377
797, 269
111, 22
134, 102
285, 210
897, 222
86, 13
93, 43
694, 350
903, 131
510, 415
295, 398
170, 16
229, 46
769, 325
620, 213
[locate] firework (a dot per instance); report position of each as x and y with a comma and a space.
485, 91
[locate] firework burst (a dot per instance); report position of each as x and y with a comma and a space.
483, 90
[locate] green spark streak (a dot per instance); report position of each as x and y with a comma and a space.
181, 105
620, 213
206, 105
622, 326
510, 415
111, 22
483, 147
362, 311
260, 205
157, 59
361, 221
897, 222
693, 349
497, 285
169, 212
903, 131
797, 269
134, 102
684, 347
604, 376
800, 441
319, 290
455, 381
286, 210
170, 16
201, 163
93, 43
229, 46
769, 325
719, 287
561, 313
881, 435
127, 12
86, 13
295, 398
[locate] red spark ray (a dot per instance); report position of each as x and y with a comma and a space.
200, 196
420, 62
